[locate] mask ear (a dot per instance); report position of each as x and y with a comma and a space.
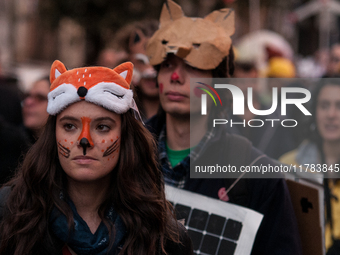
57, 69
225, 18
125, 70
137, 41
170, 12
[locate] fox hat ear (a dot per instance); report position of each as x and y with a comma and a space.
125, 70
57, 69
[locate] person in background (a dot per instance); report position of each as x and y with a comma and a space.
282, 72
245, 69
133, 38
110, 57
272, 140
34, 108
185, 48
333, 67
323, 147
13, 138
90, 184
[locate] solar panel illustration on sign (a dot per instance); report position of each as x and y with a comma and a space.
215, 227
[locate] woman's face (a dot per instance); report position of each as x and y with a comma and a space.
35, 104
328, 113
88, 140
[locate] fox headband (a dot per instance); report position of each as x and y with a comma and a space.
109, 88
202, 43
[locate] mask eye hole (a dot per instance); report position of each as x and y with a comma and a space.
164, 42
196, 45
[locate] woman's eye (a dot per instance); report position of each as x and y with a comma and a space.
140, 62
323, 105
103, 128
338, 105
69, 127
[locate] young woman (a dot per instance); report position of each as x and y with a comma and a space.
90, 184
34, 108
323, 149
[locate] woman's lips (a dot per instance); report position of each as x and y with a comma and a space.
84, 159
175, 96
331, 127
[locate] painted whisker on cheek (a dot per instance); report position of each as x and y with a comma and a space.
111, 149
63, 150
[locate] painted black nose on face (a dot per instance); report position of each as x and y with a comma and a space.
82, 91
84, 143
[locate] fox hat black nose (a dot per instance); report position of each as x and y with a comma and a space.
84, 143
82, 91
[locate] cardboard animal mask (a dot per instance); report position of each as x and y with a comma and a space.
201, 42
109, 88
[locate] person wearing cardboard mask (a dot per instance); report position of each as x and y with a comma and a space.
90, 184
185, 48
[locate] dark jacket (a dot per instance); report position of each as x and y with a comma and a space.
278, 232
53, 246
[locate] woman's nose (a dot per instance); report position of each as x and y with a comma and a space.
85, 139
332, 111
85, 144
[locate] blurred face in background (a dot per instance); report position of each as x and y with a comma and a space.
328, 113
145, 77
35, 105
334, 61
144, 74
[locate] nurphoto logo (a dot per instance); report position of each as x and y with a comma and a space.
204, 97
238, 104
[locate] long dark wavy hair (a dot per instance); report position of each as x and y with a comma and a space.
137, 192
315, 137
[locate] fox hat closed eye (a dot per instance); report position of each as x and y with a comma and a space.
109, 88
202, 42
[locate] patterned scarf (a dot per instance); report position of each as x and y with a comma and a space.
81, 240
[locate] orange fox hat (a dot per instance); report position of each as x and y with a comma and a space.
109, 88
201, 42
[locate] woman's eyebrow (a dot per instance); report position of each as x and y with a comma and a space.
71, 118
104, 118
